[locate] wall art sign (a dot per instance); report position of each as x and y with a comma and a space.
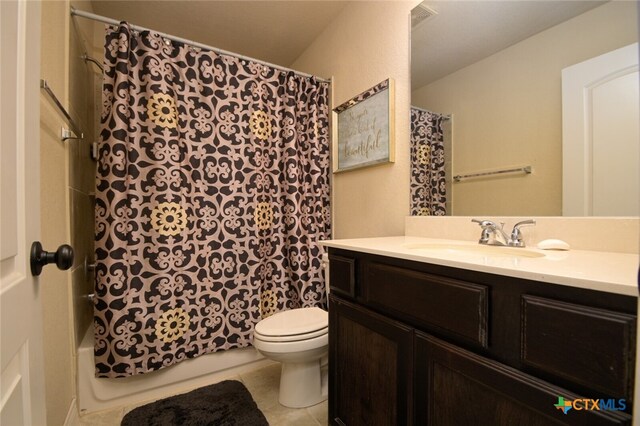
365, 129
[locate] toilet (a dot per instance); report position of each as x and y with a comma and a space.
299, 339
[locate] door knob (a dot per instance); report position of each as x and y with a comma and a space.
63, 257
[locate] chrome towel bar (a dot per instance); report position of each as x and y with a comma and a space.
74, 127
525, 169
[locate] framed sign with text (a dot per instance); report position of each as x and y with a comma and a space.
365, 129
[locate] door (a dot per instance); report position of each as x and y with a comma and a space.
370, 367
601, 135
21, 373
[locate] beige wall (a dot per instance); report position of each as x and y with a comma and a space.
508, 112
367, 43
66, 209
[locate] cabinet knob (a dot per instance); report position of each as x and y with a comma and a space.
63, 257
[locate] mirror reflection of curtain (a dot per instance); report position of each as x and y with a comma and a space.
428, 182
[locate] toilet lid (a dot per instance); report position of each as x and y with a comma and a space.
293, 322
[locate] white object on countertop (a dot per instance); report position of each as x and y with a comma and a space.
553, 244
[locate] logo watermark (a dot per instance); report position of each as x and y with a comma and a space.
585, 404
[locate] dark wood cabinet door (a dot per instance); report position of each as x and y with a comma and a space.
457, 387
593, 348
370, 367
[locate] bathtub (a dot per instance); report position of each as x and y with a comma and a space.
101, 394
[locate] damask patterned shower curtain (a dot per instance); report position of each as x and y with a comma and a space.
428, 183
212, 195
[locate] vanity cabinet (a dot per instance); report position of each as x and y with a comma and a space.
418, 343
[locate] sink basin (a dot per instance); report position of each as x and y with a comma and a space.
474, 249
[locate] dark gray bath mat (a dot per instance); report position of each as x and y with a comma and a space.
226, 403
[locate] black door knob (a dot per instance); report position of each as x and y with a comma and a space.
63, 257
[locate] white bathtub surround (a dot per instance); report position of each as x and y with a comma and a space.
595, 270
97, 394
608, 234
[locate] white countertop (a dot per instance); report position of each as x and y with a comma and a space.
603, 271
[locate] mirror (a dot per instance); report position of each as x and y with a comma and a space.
487, 81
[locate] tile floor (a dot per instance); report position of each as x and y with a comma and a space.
263, 385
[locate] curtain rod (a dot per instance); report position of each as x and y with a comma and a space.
444, 116
103, 19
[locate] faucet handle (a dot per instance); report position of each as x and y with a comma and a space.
516, 234
483, 222
524, 222
485, 225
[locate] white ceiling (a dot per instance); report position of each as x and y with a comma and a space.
272, 31
464, 32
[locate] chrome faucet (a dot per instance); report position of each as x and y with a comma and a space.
516, 235
493, 234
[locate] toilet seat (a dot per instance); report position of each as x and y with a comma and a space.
291, 338
318, 344
293, 325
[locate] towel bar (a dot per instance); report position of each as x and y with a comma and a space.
65, 133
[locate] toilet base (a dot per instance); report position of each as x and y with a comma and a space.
301, 384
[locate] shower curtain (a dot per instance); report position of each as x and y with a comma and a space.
428, 184
212, 195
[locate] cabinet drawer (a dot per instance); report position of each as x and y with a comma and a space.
431, 302
342, 275
591, 347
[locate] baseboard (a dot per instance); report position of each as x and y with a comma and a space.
73, 418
